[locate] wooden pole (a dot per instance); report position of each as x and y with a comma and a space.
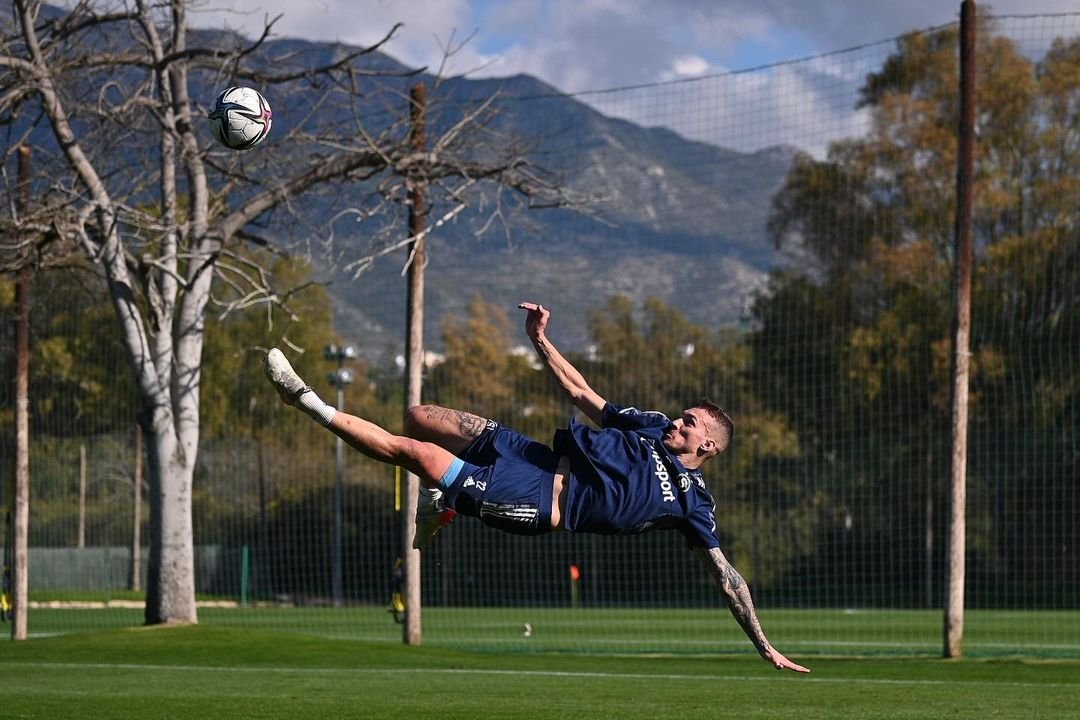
928, 534
965, 161
82, 497
262, 562
136, 531
21, 519
414, 364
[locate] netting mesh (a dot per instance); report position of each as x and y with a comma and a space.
832, 500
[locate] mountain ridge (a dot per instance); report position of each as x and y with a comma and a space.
672, 214
668, 215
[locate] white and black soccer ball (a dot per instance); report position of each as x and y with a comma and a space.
240, 118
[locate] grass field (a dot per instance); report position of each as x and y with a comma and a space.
988, 633
223, 670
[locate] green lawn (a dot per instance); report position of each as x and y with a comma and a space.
222, 673
676, 631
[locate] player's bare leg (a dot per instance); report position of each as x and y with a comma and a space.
453, 430
428, 461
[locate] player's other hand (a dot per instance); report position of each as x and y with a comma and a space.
778, 661
536, 320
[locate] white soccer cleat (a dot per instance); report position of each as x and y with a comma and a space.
284, 379
431, 517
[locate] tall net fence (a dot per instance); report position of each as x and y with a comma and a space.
779, 240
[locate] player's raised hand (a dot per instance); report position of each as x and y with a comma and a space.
536, 319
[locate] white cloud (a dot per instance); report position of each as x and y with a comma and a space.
805, 105
428, 25
687, 66
593, 44
581, 45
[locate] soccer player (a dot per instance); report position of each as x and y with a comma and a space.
639, 471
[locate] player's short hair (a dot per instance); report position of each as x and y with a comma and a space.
722, 419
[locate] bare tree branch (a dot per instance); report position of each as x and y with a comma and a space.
140, 189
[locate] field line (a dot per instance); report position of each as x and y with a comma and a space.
525, 673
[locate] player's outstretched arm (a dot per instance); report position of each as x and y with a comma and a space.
737, 594
569, 378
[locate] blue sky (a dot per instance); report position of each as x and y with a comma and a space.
593, 44
582, 45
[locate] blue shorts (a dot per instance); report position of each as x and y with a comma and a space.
506, 482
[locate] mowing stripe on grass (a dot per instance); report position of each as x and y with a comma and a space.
526, 673
819, 645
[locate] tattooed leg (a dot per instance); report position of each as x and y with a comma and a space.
450, 429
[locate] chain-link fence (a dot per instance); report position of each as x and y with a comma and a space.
778, 239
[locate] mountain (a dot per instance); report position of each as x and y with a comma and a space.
681, 220
673, 218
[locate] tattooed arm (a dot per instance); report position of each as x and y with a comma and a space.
737, 594
569, 378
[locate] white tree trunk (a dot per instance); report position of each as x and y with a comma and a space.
171, 568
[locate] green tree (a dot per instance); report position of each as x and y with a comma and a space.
236, 342
80, 382
855, 351
487, 373
478, 360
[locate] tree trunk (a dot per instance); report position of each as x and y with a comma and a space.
170, 583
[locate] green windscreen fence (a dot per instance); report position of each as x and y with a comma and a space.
778, 239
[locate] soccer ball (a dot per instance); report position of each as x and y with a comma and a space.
240, 118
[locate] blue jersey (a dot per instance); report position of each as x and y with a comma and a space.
624, 481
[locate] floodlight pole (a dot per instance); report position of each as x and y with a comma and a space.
965, 169
339, 379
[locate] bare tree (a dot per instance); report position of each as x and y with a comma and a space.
118, 89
